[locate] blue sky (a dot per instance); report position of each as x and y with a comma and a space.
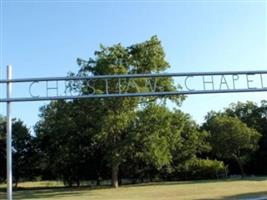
44, 38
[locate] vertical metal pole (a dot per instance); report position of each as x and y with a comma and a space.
9, 135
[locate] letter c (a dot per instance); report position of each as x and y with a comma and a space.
30, 89
185, 83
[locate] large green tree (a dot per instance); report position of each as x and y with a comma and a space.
255, 116
230, 138
67, 139
117, 113
161, 142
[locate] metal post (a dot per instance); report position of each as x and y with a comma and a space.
9, 135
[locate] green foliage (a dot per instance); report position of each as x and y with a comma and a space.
193, 141
230, 138
163, 141
82, 139
2, 149
66, 136
145, 57
23, 152
254, 116
206, 169
248, 112
142, 58
156, 138
152, 135
118, 113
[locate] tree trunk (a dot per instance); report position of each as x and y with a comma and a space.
115, 173
16, 183
78, 182
98, 181
240, 165
142, 179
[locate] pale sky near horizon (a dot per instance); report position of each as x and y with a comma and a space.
44, 38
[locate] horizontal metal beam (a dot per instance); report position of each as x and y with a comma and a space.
132, 95
21, 80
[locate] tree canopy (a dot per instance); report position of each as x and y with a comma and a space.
231, 138
117, 113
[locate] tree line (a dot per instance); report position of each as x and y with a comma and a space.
136, 139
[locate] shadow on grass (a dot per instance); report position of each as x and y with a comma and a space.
71, 192
49, 193
86, 187
263, 178
244, 196
60, 192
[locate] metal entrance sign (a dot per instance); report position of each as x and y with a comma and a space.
127, 85
132, 85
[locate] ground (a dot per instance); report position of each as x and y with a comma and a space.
194, 190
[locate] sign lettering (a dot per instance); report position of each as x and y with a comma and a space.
136, 85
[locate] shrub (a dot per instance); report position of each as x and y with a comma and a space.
206, 169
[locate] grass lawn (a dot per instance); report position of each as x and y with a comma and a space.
201, 190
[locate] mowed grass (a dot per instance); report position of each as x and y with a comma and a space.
201, 190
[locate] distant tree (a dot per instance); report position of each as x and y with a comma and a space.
22, 150
249, 113
255, 116
153, 136
24, 154
193, 142
66, 145
231, 139
163, 141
